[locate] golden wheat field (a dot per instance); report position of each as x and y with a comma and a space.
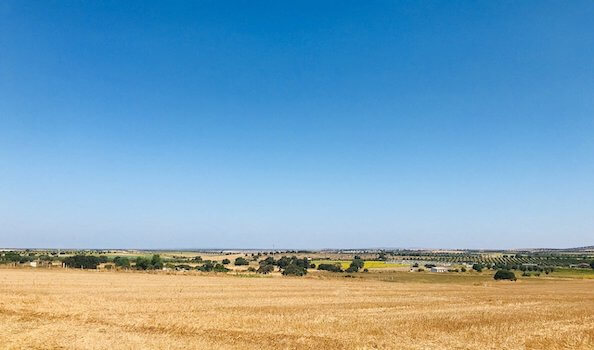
57, 309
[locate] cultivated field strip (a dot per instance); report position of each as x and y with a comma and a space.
99, 310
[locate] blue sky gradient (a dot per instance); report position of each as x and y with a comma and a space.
318, 124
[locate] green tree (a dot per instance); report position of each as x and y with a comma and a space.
505, 275
294, 270
241, 261
330, 267
265, 269
142, 263
220, 268
82, 261
156, 262
121, 262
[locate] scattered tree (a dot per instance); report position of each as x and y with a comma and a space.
241, 261
82, 261
121, 262
294, 270
330, 267
265, 269
505, 275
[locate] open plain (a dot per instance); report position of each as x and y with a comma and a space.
74, 309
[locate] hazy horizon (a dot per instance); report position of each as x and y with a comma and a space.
336, 124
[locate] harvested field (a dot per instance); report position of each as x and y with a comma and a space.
61, 309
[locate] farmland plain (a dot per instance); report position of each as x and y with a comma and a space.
65, 309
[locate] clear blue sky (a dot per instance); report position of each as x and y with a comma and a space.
307, 125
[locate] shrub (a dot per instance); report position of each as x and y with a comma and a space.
352, 268
330, 267
505, 275
220, 268
283, 262
265, 269
142, 263
82, 261
156, 262
358, 262
478, 267
226, 261
268, 261
294, 270
241, 261
206, 267
251, 269
121, 262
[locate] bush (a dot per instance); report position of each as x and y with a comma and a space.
82, 261
283, 262
121, 262
265, 269
220, 268
145, 264
142, 263
478, 267
505, 275
330, 267
268, 261
294, 270
156, 262
206, 267
356, 264
226, 261
251, 269
241, 261
352, 268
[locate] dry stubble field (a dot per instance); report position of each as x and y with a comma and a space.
42, 309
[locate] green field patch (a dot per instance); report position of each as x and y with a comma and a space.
572, 273
382, 265
344, 264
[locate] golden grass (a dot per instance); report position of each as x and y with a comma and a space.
45, 309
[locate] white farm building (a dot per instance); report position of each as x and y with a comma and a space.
439, 269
